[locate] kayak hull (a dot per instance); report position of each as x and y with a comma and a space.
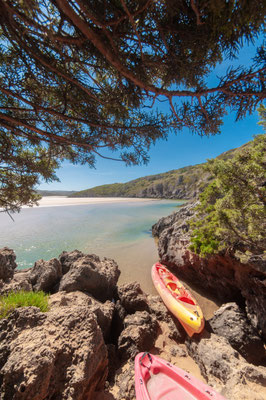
156, 379
178, 299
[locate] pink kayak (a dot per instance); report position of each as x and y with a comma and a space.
157, 379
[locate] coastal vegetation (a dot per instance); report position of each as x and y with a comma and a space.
22, 298
172, 184
55, 192
182, 183
77, 78
232, 210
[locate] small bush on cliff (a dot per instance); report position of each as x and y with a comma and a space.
22, 299
232, 210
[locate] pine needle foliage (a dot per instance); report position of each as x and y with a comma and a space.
232, 210
21, 298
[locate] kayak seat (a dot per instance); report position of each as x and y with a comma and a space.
186, 300
172, 286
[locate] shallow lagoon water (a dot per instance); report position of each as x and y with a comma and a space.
118, 230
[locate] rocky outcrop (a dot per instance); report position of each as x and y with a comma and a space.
221, 274
91, 334
230, 322
178, 220
19, 281
139, 334
225, 369
90, 274
45, 275
7, 264
67, 258
102, 311
60, 354
132, 297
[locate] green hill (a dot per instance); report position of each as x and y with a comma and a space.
183, 183
55, 192
180, 183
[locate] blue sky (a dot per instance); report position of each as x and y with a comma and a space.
178, 151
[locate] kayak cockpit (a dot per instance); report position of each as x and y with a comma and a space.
157, 379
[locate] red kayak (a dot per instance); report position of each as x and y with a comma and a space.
178, 299
157, 379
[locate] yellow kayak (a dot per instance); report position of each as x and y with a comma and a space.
178, 299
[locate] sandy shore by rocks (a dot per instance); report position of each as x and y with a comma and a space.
55, 201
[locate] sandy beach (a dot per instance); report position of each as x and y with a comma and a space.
56, 201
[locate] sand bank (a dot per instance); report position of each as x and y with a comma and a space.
55, 201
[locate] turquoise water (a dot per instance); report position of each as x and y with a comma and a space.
121, 231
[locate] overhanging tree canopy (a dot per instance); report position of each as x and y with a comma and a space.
80, 76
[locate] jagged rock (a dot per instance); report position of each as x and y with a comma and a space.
179, 217
20, 281
103, 311
255, 299
231, 322
125, 381
68, 258
139, 334
226, 370
158, 308
132, 297
44, 275
7, 263
55, 355
90, 274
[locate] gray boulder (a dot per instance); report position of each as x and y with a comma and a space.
20, 281
92, 275
45, 275
103, 311
68, 258
55, 355
139, 334
225, 369
132, 297
231, 322
7, 263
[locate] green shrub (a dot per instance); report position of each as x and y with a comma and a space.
232, 210
22, 299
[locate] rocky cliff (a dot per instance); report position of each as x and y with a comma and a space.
84, 346
221, 274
